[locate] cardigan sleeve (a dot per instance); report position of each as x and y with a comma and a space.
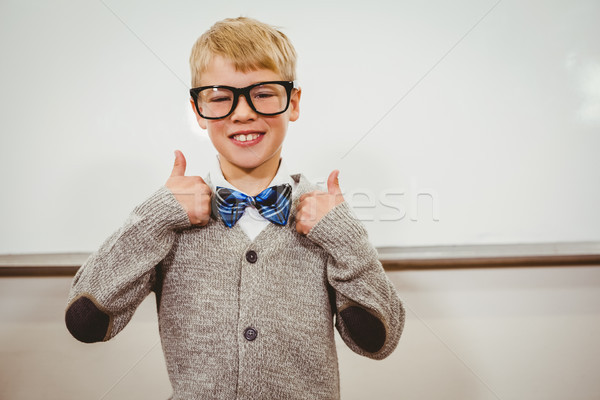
369, 313
114, 280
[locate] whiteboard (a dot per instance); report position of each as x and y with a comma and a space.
452, 123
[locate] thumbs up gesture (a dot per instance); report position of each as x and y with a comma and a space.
190, 191
315, 205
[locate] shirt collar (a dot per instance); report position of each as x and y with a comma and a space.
216, 177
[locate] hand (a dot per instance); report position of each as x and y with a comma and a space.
315, 205
190, 191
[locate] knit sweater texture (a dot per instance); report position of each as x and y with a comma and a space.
242, 319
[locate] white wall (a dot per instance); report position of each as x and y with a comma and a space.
489, 110
470, 335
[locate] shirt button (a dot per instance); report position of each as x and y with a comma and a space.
251, 256
250, 334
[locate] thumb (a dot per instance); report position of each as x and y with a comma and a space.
333, 183
179, 165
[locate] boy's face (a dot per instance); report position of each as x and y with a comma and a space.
264, 134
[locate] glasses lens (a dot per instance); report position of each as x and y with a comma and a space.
215, 102
269, 98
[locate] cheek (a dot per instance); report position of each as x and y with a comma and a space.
279, 127
215, 128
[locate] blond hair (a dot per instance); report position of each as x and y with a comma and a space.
249, 44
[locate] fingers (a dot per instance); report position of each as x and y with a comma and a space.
179, 165
333, 183
305, 196
313, 206
201, 181
192, 192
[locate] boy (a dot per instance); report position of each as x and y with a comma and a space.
250, 266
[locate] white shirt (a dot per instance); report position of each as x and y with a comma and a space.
251, 222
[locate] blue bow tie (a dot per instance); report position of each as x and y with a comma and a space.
273, 204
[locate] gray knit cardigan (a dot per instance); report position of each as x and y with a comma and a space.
242, 319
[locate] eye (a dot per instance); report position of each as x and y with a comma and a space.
217, 95
219, 99
264, 94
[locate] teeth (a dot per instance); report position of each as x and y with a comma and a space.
244, 138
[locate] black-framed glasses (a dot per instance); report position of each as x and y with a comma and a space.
265, 98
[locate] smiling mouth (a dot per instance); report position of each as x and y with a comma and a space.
246, 137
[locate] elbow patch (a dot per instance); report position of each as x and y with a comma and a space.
365, 329
86, 321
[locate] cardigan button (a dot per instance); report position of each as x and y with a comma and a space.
250, 334
251, 256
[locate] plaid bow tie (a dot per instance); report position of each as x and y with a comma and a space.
273, 204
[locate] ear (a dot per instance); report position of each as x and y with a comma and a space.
201, 121
295, 104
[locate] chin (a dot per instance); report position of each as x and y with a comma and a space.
250, 157
246, 162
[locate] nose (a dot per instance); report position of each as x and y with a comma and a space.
243, 111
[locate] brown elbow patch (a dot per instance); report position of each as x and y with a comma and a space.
86, 321
365, 329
